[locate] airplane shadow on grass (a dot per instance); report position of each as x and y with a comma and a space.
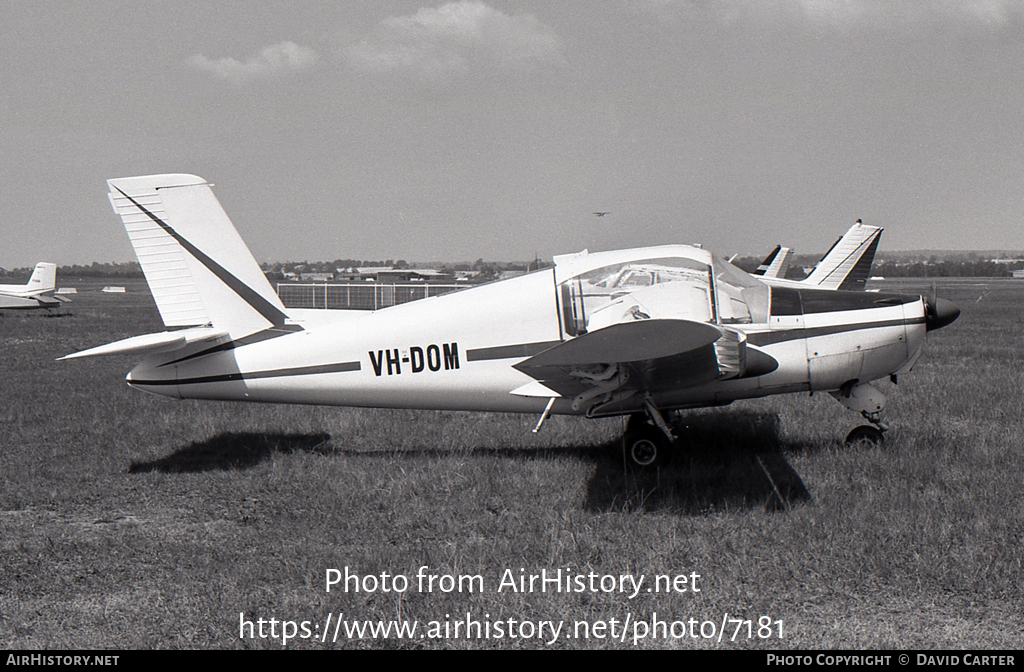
723, 461
233, 451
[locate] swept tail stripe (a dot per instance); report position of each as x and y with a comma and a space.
250, 296
253, 375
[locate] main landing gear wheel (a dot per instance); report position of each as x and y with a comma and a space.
865, 434
646, 445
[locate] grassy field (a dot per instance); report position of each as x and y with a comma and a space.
134, 521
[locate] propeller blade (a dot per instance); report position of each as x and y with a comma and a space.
939, 312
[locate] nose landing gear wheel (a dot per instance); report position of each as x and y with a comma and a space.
865, 434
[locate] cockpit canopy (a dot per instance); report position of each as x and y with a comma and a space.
673, 282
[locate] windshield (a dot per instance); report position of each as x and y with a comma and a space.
661, 288
635, 290
742, 298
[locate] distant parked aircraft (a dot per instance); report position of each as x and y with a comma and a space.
775, 264
37, 293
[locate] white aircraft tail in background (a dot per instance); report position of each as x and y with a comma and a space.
38, 292
775, 264
847, 264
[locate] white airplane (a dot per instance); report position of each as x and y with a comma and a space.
38, 292
642, 332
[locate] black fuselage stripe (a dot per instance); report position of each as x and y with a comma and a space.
266, 334
510, 351
756, 338
247, 294
782, 335
253, 375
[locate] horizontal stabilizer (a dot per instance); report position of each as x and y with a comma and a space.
164, 341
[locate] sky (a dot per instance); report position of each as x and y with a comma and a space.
452, 131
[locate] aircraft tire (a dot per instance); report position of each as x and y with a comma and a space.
647, 447
864, 434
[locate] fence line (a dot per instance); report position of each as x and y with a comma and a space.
356, 296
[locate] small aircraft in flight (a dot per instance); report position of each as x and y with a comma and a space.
38, 292
643, 333
602, 214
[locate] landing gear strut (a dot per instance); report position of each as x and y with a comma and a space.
870, 402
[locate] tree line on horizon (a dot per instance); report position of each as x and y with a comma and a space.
890, 265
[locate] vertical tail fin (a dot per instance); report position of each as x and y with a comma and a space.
43, 280
847, 264
198, 269
776, 263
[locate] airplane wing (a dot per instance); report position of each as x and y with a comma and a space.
645, 356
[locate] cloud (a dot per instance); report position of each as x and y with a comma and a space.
845, 14
275, 60
457, 39
911, 13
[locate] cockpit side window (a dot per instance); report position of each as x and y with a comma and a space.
671, 287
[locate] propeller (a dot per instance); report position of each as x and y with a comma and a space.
938, 312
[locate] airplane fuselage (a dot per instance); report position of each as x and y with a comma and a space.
405, 357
